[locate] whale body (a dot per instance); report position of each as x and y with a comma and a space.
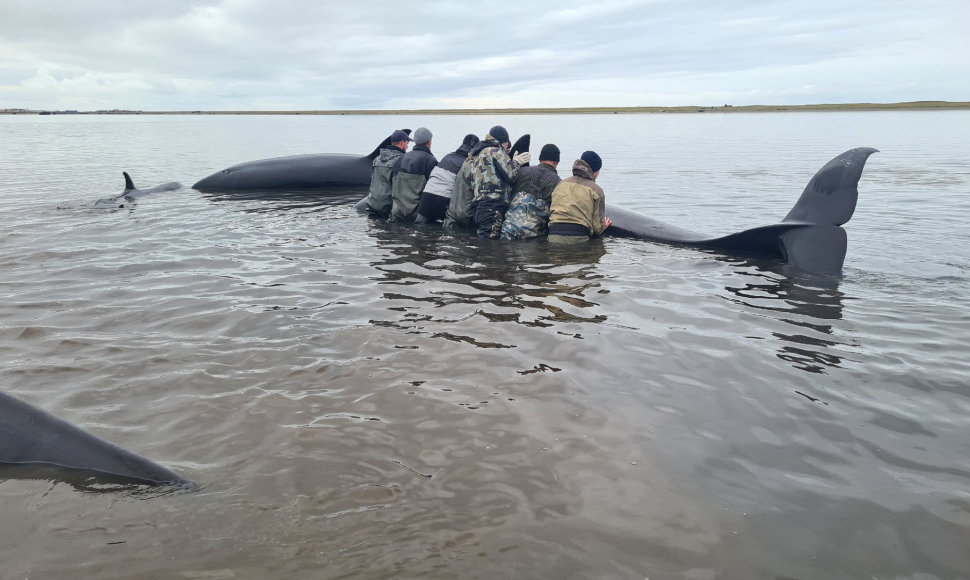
810, 237
30, 435
131, 192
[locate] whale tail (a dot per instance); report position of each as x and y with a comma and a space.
809, 237
830, 197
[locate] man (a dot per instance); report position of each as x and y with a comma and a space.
578, 204
528, 212
437, 194
458, 215
493, 173
412, 173
378, 200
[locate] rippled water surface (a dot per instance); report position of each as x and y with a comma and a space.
367, 401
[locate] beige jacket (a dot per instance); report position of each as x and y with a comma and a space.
578, 200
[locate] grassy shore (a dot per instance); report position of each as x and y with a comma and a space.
910, 106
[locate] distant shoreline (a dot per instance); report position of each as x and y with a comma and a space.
907, 106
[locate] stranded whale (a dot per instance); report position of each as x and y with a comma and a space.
29, 435
131, 192
809, 237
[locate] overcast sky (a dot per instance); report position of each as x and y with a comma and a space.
360, 54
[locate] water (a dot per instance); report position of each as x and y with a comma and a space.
359, 400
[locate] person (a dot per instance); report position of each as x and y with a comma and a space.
528, 212
436, 197
493, 173
413, 172
578, 209
458, 215
378, 200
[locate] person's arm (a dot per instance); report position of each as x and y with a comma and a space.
598, 224
505, 169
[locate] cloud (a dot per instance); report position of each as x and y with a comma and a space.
245, 54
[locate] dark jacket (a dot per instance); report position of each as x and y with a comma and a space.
418, 161
409, 181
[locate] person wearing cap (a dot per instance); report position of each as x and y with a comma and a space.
528, 212
578, 209
413, 172
378, 200
493, 174
436, 197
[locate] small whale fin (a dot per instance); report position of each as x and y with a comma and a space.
383, 145
521, 145
129, 184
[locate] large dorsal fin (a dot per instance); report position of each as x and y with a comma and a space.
384, 145
829, 198
129, 184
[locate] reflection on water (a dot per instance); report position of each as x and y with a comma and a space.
531, 284
805, 302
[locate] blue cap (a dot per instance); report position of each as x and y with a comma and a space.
592, 159
499, 133
400, 135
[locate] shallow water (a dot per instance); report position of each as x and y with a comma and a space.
361, 400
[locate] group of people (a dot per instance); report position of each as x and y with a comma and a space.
484, 186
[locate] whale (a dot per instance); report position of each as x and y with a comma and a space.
303, 172
31, 436
810, 238
131, 193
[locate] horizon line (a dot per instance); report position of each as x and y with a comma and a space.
907, 105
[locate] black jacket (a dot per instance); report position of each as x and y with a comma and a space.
418, 161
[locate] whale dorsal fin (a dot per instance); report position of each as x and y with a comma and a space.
129, 184
384, 145
521, 145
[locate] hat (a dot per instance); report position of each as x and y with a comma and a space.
499, 133
422, 135
592, 159
470, 140
549, 153
399, 135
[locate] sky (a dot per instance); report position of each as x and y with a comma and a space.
224, 55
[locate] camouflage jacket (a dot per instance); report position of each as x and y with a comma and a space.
528, 212
493, 171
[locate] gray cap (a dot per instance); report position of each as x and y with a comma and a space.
422, 135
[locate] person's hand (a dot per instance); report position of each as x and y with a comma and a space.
607, 222
522, 158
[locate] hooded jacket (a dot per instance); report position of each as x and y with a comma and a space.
493, 171
578, 200
385, 166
